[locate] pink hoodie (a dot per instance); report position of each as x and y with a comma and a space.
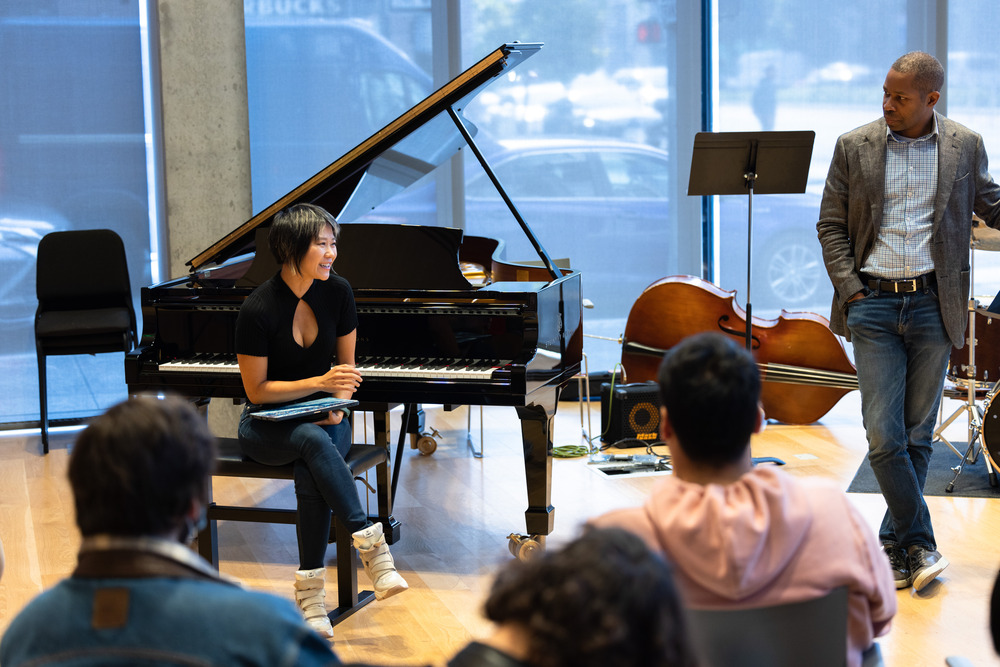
768, 538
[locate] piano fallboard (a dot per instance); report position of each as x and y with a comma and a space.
489, 347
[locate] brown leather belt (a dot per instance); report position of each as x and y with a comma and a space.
900, 286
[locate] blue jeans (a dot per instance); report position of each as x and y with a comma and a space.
901, 351
323, 480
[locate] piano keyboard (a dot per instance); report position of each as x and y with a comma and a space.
430, 369
402, 368
202, 363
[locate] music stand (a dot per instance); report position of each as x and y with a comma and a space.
731, 163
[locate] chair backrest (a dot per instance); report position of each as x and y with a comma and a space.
812, 633
82, 269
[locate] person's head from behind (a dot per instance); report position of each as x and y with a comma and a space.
296, 229
142, 469
995, 614
709, 399
604, 599
911, 89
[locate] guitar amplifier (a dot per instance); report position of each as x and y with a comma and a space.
630, 412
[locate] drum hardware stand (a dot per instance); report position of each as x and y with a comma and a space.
970, 408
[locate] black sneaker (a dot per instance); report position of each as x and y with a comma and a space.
899, 564
925, 564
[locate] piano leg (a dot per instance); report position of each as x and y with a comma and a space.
536, 437
386, 488
382, 431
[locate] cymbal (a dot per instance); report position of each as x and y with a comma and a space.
985, 238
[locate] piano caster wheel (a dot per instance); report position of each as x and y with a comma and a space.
427, 445
524, 547
424, 441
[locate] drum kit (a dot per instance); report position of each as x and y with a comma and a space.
974, 376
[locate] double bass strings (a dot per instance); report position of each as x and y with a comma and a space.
772, 372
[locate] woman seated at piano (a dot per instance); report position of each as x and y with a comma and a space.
288, 330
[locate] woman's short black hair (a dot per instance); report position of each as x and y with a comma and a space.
136, 468
294, 229
605, 599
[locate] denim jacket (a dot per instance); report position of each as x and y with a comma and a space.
153, 602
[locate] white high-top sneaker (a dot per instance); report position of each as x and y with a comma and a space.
310, 593
379, 566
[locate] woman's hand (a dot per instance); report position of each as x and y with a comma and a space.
340, 381
332, 418
342, 378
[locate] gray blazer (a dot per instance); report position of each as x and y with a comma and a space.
851, 213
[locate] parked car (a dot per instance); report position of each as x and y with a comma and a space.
627, 104
604, 204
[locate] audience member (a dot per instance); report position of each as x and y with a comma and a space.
140, 475
742, 536
604, 600
995, 615
287, 332
895, 225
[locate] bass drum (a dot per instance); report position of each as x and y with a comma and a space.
987, 350
991, 430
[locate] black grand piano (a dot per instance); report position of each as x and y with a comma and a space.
427, 334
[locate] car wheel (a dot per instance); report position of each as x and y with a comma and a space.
793, 272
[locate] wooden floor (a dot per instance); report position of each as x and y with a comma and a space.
456, 512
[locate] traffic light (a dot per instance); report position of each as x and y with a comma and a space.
649, 31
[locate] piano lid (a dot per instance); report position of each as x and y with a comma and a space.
388, 161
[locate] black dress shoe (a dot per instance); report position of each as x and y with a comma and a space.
899, 564
925, 565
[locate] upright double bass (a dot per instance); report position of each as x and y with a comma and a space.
804, 366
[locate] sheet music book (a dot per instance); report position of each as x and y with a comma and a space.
302, 410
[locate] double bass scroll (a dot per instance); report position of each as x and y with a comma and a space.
804, 367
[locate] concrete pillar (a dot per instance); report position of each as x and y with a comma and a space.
206, 150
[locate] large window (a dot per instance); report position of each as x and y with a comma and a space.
72, 156
579, 135
583, 141
591, 138
794, 66
973, 99
801, 66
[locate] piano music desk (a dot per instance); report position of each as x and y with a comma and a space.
232, 463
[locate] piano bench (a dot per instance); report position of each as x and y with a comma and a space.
231, 462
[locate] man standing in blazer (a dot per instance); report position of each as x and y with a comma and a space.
895, 225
